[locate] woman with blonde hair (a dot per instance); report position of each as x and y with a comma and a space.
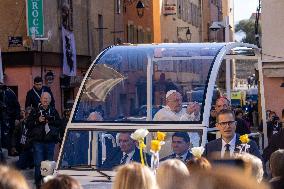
223, 178
171, 174
134, 176
11, 179
197, 164
62, 182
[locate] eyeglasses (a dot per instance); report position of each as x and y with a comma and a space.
229, 123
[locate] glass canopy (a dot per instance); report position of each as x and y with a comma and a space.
116, 87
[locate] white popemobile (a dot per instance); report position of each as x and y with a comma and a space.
125, 78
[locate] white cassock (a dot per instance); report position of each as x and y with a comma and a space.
166, 114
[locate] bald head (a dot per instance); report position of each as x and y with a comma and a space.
222, 104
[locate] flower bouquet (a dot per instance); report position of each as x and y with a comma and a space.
139, 136
244, 146
155, 148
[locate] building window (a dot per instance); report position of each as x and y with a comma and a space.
101, 31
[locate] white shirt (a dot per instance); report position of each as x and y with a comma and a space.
183, 156
232, 146
166, 114
130, 155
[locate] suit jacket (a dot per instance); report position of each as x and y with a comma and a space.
216, 146
172, 156
116, 156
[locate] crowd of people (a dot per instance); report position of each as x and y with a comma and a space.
38, 128
197, 173
31, 132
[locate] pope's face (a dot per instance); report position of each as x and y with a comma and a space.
174, 101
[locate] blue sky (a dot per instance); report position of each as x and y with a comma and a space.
243, 10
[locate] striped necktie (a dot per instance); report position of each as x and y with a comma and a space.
123, 159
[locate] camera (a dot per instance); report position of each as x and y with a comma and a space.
47, 116
275, 119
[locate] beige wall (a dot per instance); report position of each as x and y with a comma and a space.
274, 94
170, 23
272, 20
13, 22
272, 30
106, 9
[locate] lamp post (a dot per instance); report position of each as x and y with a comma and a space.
140, 9
41, 39
215, 27
187, 33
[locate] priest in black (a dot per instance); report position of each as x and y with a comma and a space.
33, 95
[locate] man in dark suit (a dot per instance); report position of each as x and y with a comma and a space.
223, 103
225, 146
180, 145
125, 153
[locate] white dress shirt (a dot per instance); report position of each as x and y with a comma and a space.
130, 155
182, 157
166, 114
232, 144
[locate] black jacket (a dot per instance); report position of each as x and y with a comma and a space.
173, 156
9, 105
116, 155
36, 129
33, 97
276, 142
215, 146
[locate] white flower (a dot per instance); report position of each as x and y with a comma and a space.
197, 151
139, 134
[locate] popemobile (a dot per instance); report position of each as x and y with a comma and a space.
129, 87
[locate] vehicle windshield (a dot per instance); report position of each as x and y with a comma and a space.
118, 86
104, 150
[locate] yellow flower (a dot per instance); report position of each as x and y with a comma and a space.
142, 144
244, 139
161, 136
155, 145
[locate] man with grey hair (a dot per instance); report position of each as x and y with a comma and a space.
174, 110
43, 125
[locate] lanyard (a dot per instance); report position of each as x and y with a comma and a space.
37, 93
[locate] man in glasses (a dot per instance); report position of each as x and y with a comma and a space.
229, 142
173, 111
